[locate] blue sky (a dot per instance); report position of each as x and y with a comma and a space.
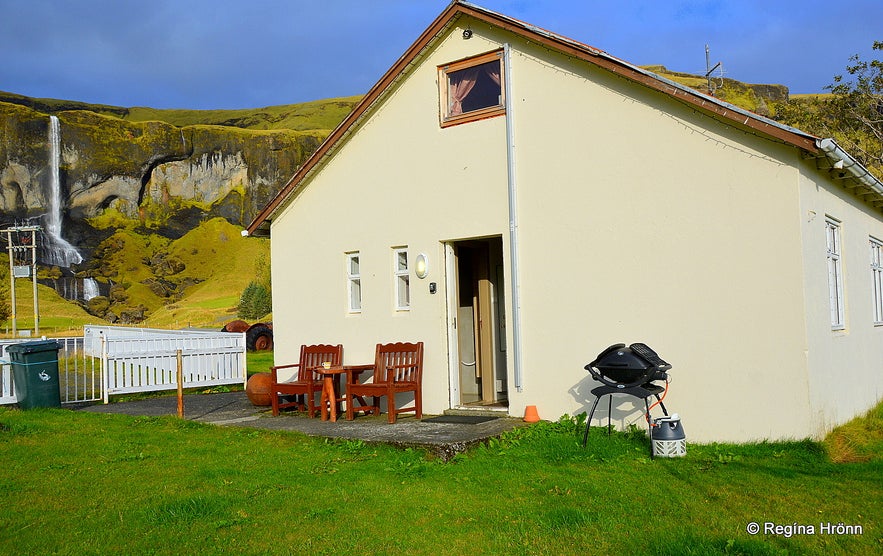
209, 54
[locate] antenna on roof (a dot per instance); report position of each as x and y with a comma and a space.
709, 70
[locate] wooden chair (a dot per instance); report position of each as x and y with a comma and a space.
306, 382
397, 368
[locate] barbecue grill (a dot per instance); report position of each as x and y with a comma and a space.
627, 370
624, 367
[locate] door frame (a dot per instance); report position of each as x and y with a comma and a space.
495, 337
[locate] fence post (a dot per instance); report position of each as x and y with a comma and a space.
105, 372
180, 384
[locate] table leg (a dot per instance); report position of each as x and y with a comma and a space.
327, 400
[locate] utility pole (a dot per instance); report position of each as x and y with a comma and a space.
21, 244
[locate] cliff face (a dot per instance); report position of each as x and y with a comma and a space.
151, 174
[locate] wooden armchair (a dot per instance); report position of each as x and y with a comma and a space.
397, 368
306, 382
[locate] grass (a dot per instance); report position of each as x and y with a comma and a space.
258, 361
858, 440
140, 485
58, 317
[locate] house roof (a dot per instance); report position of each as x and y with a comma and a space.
828, 155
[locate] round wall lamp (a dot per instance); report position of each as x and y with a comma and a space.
421, 266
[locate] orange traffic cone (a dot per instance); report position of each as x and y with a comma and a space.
530, 414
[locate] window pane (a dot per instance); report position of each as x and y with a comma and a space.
474, 88
402, 261
404, 292
354, 265
355, 295
835, 274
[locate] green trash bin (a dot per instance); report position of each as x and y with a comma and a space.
35, 373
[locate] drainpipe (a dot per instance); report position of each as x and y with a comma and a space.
513, 220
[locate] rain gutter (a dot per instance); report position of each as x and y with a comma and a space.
841, 159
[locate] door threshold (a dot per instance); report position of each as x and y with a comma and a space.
495, 410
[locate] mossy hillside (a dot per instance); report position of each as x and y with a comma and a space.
23, 151
22, 134
216, 254
761, 98
52, 106
319, 115
195, 280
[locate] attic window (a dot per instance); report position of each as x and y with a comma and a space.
472, 89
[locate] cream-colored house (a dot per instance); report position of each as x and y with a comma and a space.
519, 201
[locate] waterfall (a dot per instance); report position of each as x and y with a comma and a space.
58, 251
90, 288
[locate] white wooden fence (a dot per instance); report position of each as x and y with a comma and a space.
111, 360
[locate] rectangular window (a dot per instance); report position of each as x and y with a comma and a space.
402, 279
472, 89
877, 278
354, 282
835, 273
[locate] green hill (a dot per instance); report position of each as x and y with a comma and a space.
307, 116
759, 98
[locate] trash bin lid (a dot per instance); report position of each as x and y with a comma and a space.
33, 347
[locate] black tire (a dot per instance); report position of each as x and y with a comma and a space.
259, 338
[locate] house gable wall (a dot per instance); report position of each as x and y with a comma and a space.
400, 180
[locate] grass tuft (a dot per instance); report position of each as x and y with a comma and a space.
859, 440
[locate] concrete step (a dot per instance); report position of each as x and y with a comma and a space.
484, 411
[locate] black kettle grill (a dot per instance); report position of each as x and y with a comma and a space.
627, 370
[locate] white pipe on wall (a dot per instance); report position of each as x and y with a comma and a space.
513, 219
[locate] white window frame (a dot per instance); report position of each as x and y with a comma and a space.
401, 279
877, 278
835, 273
353, 283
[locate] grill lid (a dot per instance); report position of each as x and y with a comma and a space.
623, 367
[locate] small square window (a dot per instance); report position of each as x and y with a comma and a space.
472, 89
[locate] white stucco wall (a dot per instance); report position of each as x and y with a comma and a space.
670, 229
401, 181
640, 220
845, 367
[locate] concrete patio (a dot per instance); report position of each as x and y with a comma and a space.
444, 440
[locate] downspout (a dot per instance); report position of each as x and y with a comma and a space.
513, 219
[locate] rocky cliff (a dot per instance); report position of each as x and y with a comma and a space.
152, 174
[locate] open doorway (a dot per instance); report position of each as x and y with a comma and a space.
477, 323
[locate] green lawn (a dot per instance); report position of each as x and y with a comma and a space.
85, 483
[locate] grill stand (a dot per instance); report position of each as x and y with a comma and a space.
644, 391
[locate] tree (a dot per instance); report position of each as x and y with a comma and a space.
852, 115
256, 300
